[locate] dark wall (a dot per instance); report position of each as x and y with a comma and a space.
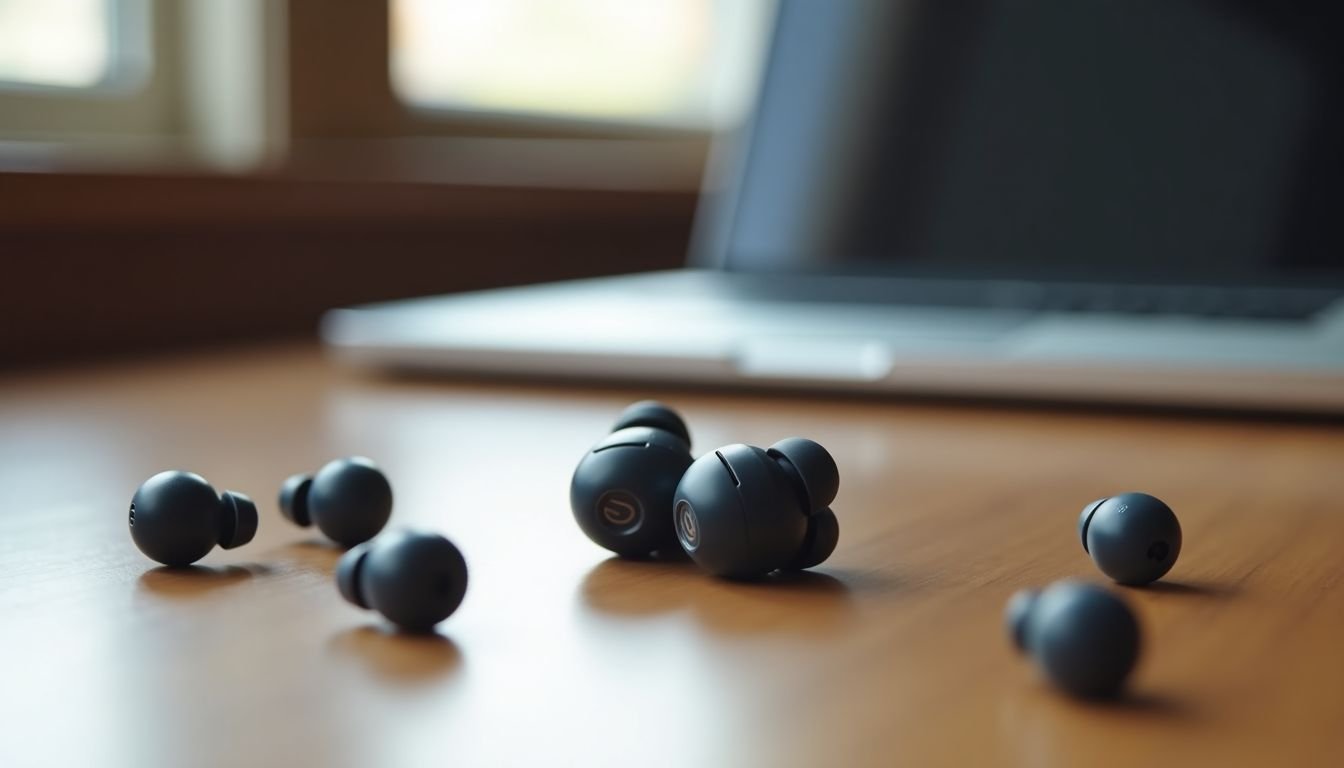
103, 264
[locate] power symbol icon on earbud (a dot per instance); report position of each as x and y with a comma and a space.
688, 527
619, 510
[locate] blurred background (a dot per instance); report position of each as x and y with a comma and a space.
174, 172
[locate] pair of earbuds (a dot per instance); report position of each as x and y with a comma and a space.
738, 512
414, 579
1083, 638
177, 517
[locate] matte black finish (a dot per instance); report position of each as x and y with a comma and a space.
176, 518
621, 492
348, 499
651, 413
742, 512
1133, 538
415, 580
1084, 639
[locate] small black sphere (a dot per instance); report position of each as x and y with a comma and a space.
176, 518
621, 491
742, 511
415, 580
349, 500
1133, 538
1084, 639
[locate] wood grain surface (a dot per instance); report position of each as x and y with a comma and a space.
891, 653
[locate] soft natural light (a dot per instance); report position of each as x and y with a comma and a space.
657, 61
64, 43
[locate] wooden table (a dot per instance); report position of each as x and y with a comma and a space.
891, 654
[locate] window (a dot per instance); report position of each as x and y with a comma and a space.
64, 43
385, 89
686, 63
67, 43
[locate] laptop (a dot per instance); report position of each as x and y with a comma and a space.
1062, 200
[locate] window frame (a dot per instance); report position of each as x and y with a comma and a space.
329, 108
134, 98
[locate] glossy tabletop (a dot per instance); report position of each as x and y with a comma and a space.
891, 653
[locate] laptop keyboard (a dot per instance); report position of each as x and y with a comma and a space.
1200, 302
1282, 304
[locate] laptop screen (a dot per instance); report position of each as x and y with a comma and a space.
1180, 141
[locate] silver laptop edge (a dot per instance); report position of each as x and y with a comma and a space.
707, 326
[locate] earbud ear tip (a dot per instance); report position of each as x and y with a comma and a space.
816, 466
651, 413
239, 523
823, 533
294, 499
1016, 614
347, 574
1085, 517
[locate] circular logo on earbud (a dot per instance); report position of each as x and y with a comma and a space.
619, 511
688, 526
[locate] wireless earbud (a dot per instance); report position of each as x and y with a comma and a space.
1133, 538
349, 500
621, 493
742, 511
415, 580
176, 518
1083, 638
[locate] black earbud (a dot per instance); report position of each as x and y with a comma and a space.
743, 512
621, 493
1083, 638
350, 500
416, 580
1133, 538
176, 518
